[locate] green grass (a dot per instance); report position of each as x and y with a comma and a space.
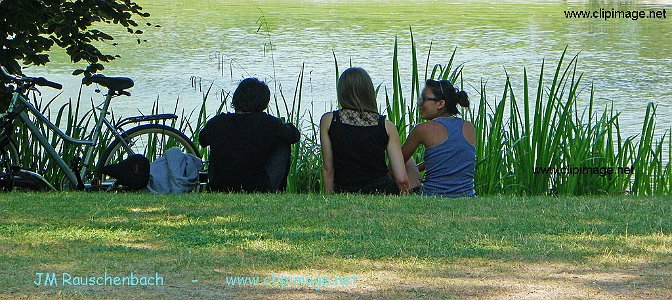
390, 242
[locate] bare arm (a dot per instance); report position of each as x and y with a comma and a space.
327, 154
397, 164
415, 138
413, 141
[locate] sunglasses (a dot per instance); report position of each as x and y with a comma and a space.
430, 99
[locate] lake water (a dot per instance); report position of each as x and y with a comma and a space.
630, 62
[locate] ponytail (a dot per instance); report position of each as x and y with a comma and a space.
462, 98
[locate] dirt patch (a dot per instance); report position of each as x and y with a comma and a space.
489, 280
477, 279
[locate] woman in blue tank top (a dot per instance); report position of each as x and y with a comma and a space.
450, 156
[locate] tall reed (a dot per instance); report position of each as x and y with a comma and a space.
552, 128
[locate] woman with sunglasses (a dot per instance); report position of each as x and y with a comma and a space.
450, 155
355, 140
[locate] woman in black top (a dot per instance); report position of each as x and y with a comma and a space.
355, 139
249, 149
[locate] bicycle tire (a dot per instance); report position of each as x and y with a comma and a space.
12, 153
31, 181
23, 180
115, 151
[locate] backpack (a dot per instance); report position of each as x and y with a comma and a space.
132, 172
175, 173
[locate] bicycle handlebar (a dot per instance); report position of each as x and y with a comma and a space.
41, 81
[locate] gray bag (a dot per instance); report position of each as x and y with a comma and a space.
174, 173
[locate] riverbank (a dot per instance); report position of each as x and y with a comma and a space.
398, 247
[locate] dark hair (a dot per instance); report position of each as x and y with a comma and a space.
445, 90
355, 91
251, 95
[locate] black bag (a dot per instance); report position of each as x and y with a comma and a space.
6, 181
132, 172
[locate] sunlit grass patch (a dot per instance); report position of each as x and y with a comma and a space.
401, 246
147, 209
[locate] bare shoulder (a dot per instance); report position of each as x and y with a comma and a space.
427, 127
469, 132
467, 124
326, 117
420, 133
390, 127
325, 122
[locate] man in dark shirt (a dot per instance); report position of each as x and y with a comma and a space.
246, 147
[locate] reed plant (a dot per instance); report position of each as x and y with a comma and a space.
76, 122
550, 126
553, 129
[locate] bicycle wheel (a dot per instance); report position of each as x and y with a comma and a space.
10, 153
22, 180
8, 158
150, 140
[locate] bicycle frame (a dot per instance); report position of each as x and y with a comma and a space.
20, 103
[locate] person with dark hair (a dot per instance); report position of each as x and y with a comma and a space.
450, 156
355, 140
249, 149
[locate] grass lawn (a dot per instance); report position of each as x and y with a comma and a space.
398, 247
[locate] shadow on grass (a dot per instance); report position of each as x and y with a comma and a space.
200, 235
530, 229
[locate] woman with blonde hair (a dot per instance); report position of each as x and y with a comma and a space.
355, 140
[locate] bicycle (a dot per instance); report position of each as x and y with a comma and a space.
151, 139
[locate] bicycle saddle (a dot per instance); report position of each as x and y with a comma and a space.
112, 83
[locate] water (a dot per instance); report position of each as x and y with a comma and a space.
630, 62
